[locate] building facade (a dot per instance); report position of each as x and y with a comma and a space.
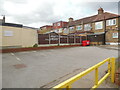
103, 23
17, 35
45, 29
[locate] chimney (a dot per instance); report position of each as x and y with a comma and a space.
3, 21
100, 10
70, 19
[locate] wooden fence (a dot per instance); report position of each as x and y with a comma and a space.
54, 38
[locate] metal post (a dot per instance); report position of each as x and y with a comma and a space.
80, 39
109, 66
112, 70
74, 39
49, 38
96, 76
68, 87
67, 39
59, 39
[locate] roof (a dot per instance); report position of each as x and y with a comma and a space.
46, 26
60, 21
29, 27
11, 24
94, 18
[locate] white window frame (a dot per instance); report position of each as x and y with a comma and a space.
115, 35
44, 28
58, 24
98, 25
79, 26
66, 30
60, 30
87, 27
110, 22
71, 28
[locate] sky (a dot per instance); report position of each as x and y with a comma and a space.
37, 13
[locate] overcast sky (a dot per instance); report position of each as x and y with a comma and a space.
36, 13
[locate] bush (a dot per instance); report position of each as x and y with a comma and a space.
35, 45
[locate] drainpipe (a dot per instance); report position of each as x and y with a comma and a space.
104, 31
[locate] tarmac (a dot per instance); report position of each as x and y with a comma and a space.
47, 68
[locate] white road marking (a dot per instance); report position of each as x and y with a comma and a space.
34, 51
12, 54
18, 59
24, 52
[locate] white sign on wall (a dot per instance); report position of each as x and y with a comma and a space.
8, 33
115, 35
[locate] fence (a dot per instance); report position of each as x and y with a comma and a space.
111, 72
54, 38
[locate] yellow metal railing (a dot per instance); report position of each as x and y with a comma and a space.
111, 72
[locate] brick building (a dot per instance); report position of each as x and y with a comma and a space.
58, 26
45, 29
104, 23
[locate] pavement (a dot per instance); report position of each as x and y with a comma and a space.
113, 47
47, 68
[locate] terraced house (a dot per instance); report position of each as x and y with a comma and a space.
99, 29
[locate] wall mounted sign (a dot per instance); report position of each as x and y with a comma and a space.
8, 33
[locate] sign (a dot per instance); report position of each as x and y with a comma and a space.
8, 33
115, 35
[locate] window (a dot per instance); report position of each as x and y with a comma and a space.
111, 22
71, 28
58, 24
56, 31
66, 30
60, 30
99, 25
115, 35
44, 28
79, 27
87, 27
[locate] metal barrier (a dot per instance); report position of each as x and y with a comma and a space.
111, 72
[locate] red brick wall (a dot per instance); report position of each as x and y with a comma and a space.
55, 25
34, 48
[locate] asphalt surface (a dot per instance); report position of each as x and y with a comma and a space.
35, 69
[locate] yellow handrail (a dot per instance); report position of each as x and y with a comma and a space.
111, 72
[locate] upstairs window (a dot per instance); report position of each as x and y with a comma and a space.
66, 30
44, 28
79, 27
111, 22
71, 28
99, 25
60, 30
58, 24
54, 24
87, 27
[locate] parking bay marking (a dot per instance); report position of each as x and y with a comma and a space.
16, 57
